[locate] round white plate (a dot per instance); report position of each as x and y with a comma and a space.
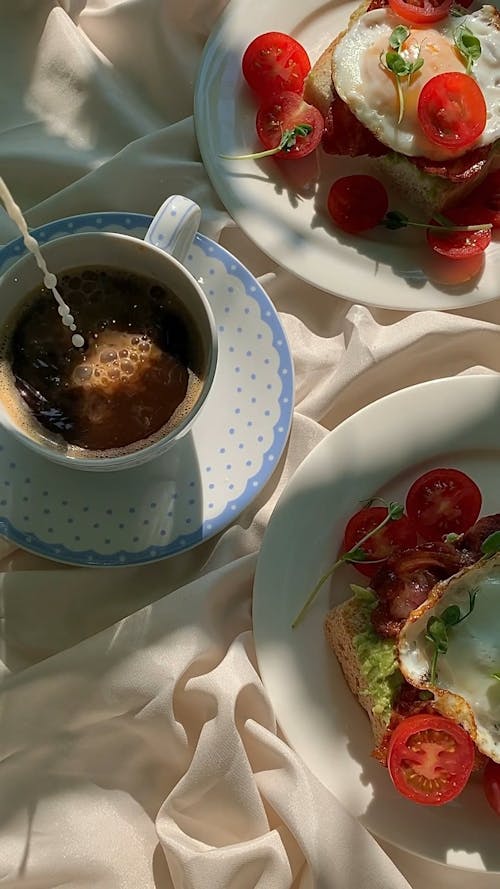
198, 487
379, 450
281, 206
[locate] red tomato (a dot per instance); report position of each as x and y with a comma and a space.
421, 12
430, 759
275, 63
397, 534
459, 244
451, 110
443, 501
357, 203
491, 784
283, 114
485, 199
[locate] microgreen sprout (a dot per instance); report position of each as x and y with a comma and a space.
437, 630
286, 143
400, 66
491, 544
394, 220
355, 554
468, 46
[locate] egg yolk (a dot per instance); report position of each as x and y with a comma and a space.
438, 54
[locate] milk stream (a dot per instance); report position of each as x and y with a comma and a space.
49, 280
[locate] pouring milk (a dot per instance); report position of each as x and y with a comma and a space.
49, 280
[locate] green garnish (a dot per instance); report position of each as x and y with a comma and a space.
468, 46
491, 544
451, 537
394, 220
398, 37
398, 65
496, 676
437, 630
287, 142
355, 554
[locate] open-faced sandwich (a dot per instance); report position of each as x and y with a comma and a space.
411, 86
420, 646
417, 87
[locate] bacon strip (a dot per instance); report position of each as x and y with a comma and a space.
471, 542
406, 579
459, 169
346, 135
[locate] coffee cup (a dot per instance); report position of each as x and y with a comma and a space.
158, 259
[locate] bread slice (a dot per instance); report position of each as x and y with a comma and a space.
318, 87
431, 193
368, 662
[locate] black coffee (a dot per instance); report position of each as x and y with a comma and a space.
140, 370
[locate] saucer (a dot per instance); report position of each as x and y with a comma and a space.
172, 503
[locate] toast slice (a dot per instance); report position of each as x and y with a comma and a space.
368, 662
318, 87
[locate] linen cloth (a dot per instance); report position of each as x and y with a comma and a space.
138, 746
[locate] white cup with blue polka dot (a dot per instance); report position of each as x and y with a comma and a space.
158, 257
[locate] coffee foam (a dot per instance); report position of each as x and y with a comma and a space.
27, 423
24, 420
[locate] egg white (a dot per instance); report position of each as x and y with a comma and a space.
465, 689
369, 89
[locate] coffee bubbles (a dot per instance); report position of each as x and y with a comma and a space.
139, 373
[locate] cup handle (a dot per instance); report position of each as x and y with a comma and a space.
174, 226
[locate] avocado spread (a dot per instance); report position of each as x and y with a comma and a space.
377, 657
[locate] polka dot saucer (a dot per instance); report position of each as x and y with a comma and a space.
196, 489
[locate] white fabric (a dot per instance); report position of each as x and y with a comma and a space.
138, 747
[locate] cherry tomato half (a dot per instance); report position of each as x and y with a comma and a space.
491, 784
283, 114
430, 759
421, 12
357, 203
485, 199
443, 501
275, 63
451, 110
397, 534
460, 244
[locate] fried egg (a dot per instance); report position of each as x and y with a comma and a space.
465, 688
369, 89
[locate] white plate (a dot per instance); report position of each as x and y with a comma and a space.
281, 206
381, 449
199, 486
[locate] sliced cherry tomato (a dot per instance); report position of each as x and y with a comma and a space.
430, 759
284, 114
275, 63
451, 110
485, 200
397, 534
491, 784
421, 12
357, 203
461, 244
443, 501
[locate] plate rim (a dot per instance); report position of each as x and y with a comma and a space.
490, 381
59, 552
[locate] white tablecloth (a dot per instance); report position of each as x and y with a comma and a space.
138, 747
